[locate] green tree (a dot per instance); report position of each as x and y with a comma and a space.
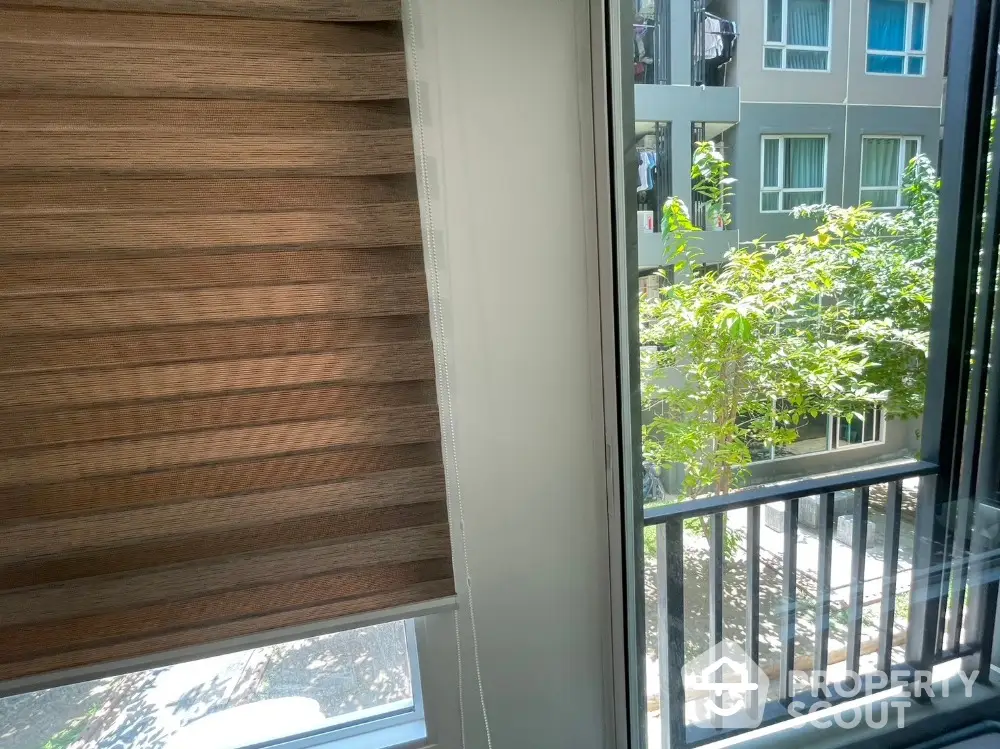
833, 322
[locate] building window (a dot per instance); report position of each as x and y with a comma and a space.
897, 37
883, 162
825, 433
866, 429
319, 690
797, 35
793, 171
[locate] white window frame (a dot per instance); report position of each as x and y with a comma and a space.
900, 168
833, 440
906, 53
780, 190
399, 723
784, 46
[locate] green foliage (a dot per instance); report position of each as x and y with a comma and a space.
887, 283
69, 735
710, 179
835, 322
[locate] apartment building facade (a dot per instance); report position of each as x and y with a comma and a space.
810, 101
805, 107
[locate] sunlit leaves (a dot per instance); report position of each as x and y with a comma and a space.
834, 322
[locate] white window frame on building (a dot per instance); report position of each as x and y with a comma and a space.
901, 165
781, 189
872, 433
784, 47
907, 54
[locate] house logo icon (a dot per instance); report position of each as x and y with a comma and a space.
724, 689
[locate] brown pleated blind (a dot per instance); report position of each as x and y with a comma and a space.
217, 405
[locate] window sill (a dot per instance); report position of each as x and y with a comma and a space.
409, 735
922, 721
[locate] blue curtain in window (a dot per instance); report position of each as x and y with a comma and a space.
887, 25
917, 32
808, 22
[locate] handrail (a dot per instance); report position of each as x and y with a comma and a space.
760, 495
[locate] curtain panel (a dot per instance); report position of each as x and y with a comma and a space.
218, 415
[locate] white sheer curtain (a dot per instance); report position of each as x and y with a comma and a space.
769, 175
808, 26
880, 169
805, 167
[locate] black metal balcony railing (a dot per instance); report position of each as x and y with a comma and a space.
956, 522
672, 637
713, 44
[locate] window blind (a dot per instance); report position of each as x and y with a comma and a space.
217, 406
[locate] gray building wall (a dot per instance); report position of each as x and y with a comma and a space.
843, 171
744, 151
867, 120
847, 79
901, 441
897, 90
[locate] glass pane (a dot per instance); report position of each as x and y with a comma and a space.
773, 21
917, 31
869, 432
255, 695
887, 25
724, 349
881, 198
809, 22
798, 59
770, 167
791, 199
810, 437
885, 64
805, 162
851, 431
880, 162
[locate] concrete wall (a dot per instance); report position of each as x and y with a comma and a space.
508, 106
846, 79
760, 85
745, 142
901, 441
898, 90
876, 120
843, 176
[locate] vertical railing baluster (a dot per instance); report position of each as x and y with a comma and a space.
716, 573
825, 529
981, 616
890, 556
789, 564
983, 340
859, 543
753, 583
968, 107
670, 566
